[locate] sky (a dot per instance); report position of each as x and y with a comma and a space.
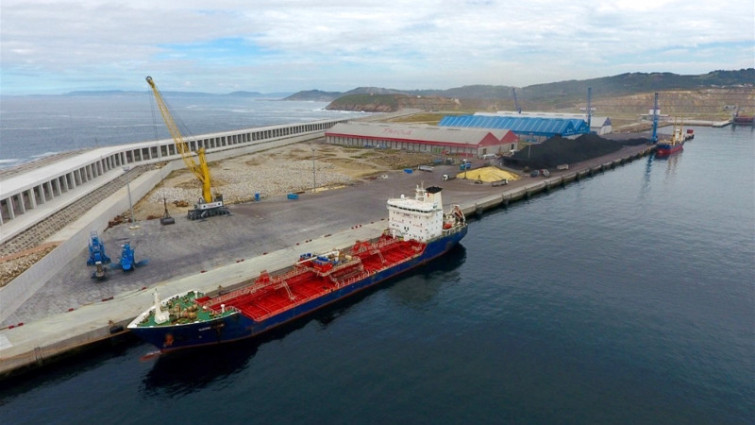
279, 46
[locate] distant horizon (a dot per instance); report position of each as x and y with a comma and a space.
285, 93
94, 92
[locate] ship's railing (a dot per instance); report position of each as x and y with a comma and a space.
354, 262
453, 229
384, 243
379, 242
219, 310
349, 277
254, 287
288, 275
233, 294
283, 284
362, 274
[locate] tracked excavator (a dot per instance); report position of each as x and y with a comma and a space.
208, 206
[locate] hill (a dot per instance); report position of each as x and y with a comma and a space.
710, 95
638, 82
314, 95
391, 102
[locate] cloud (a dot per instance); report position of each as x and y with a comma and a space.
337, 45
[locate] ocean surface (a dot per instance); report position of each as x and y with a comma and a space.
32, 127
625, 298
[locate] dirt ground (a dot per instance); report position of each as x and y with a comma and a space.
275, 173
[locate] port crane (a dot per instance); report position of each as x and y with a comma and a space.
207, 205
589, 109
654, 136
516, 101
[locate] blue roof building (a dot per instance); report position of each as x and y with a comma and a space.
542, 128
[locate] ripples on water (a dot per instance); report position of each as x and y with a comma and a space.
35, 125
625, 298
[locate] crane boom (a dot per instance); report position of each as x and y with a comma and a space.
200, 170
654, 136
516, 101
207, 206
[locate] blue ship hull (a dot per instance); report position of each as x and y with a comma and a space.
237, 326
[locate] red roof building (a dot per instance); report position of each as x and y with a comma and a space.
469, 142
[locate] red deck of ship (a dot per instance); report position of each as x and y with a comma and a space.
268, 295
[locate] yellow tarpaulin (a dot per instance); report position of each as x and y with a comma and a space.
487, 174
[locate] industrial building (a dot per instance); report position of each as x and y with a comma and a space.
424, 138
527, 128
598, 124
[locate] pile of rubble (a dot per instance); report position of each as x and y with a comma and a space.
13, 265
239, 184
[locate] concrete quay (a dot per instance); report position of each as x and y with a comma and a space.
70, 312
529, 187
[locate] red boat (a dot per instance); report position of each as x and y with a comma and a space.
671, 146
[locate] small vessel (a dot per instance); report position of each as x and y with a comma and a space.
418, 231
673, 145
743, 119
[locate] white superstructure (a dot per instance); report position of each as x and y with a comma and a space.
420, 218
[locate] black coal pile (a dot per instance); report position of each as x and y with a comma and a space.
558, 150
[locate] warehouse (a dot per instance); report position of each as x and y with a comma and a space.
469, 142
530, 129
598, 124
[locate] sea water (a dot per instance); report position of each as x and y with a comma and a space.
625, 298
32, 127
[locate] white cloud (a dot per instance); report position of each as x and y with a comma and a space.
337, 45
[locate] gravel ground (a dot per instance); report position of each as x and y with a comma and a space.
275, 173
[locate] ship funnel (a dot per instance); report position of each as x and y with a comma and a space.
432, 194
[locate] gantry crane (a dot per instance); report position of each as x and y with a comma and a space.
207, 205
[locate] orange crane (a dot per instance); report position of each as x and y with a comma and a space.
207, 205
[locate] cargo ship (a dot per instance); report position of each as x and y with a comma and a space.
669, 147
418, 231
